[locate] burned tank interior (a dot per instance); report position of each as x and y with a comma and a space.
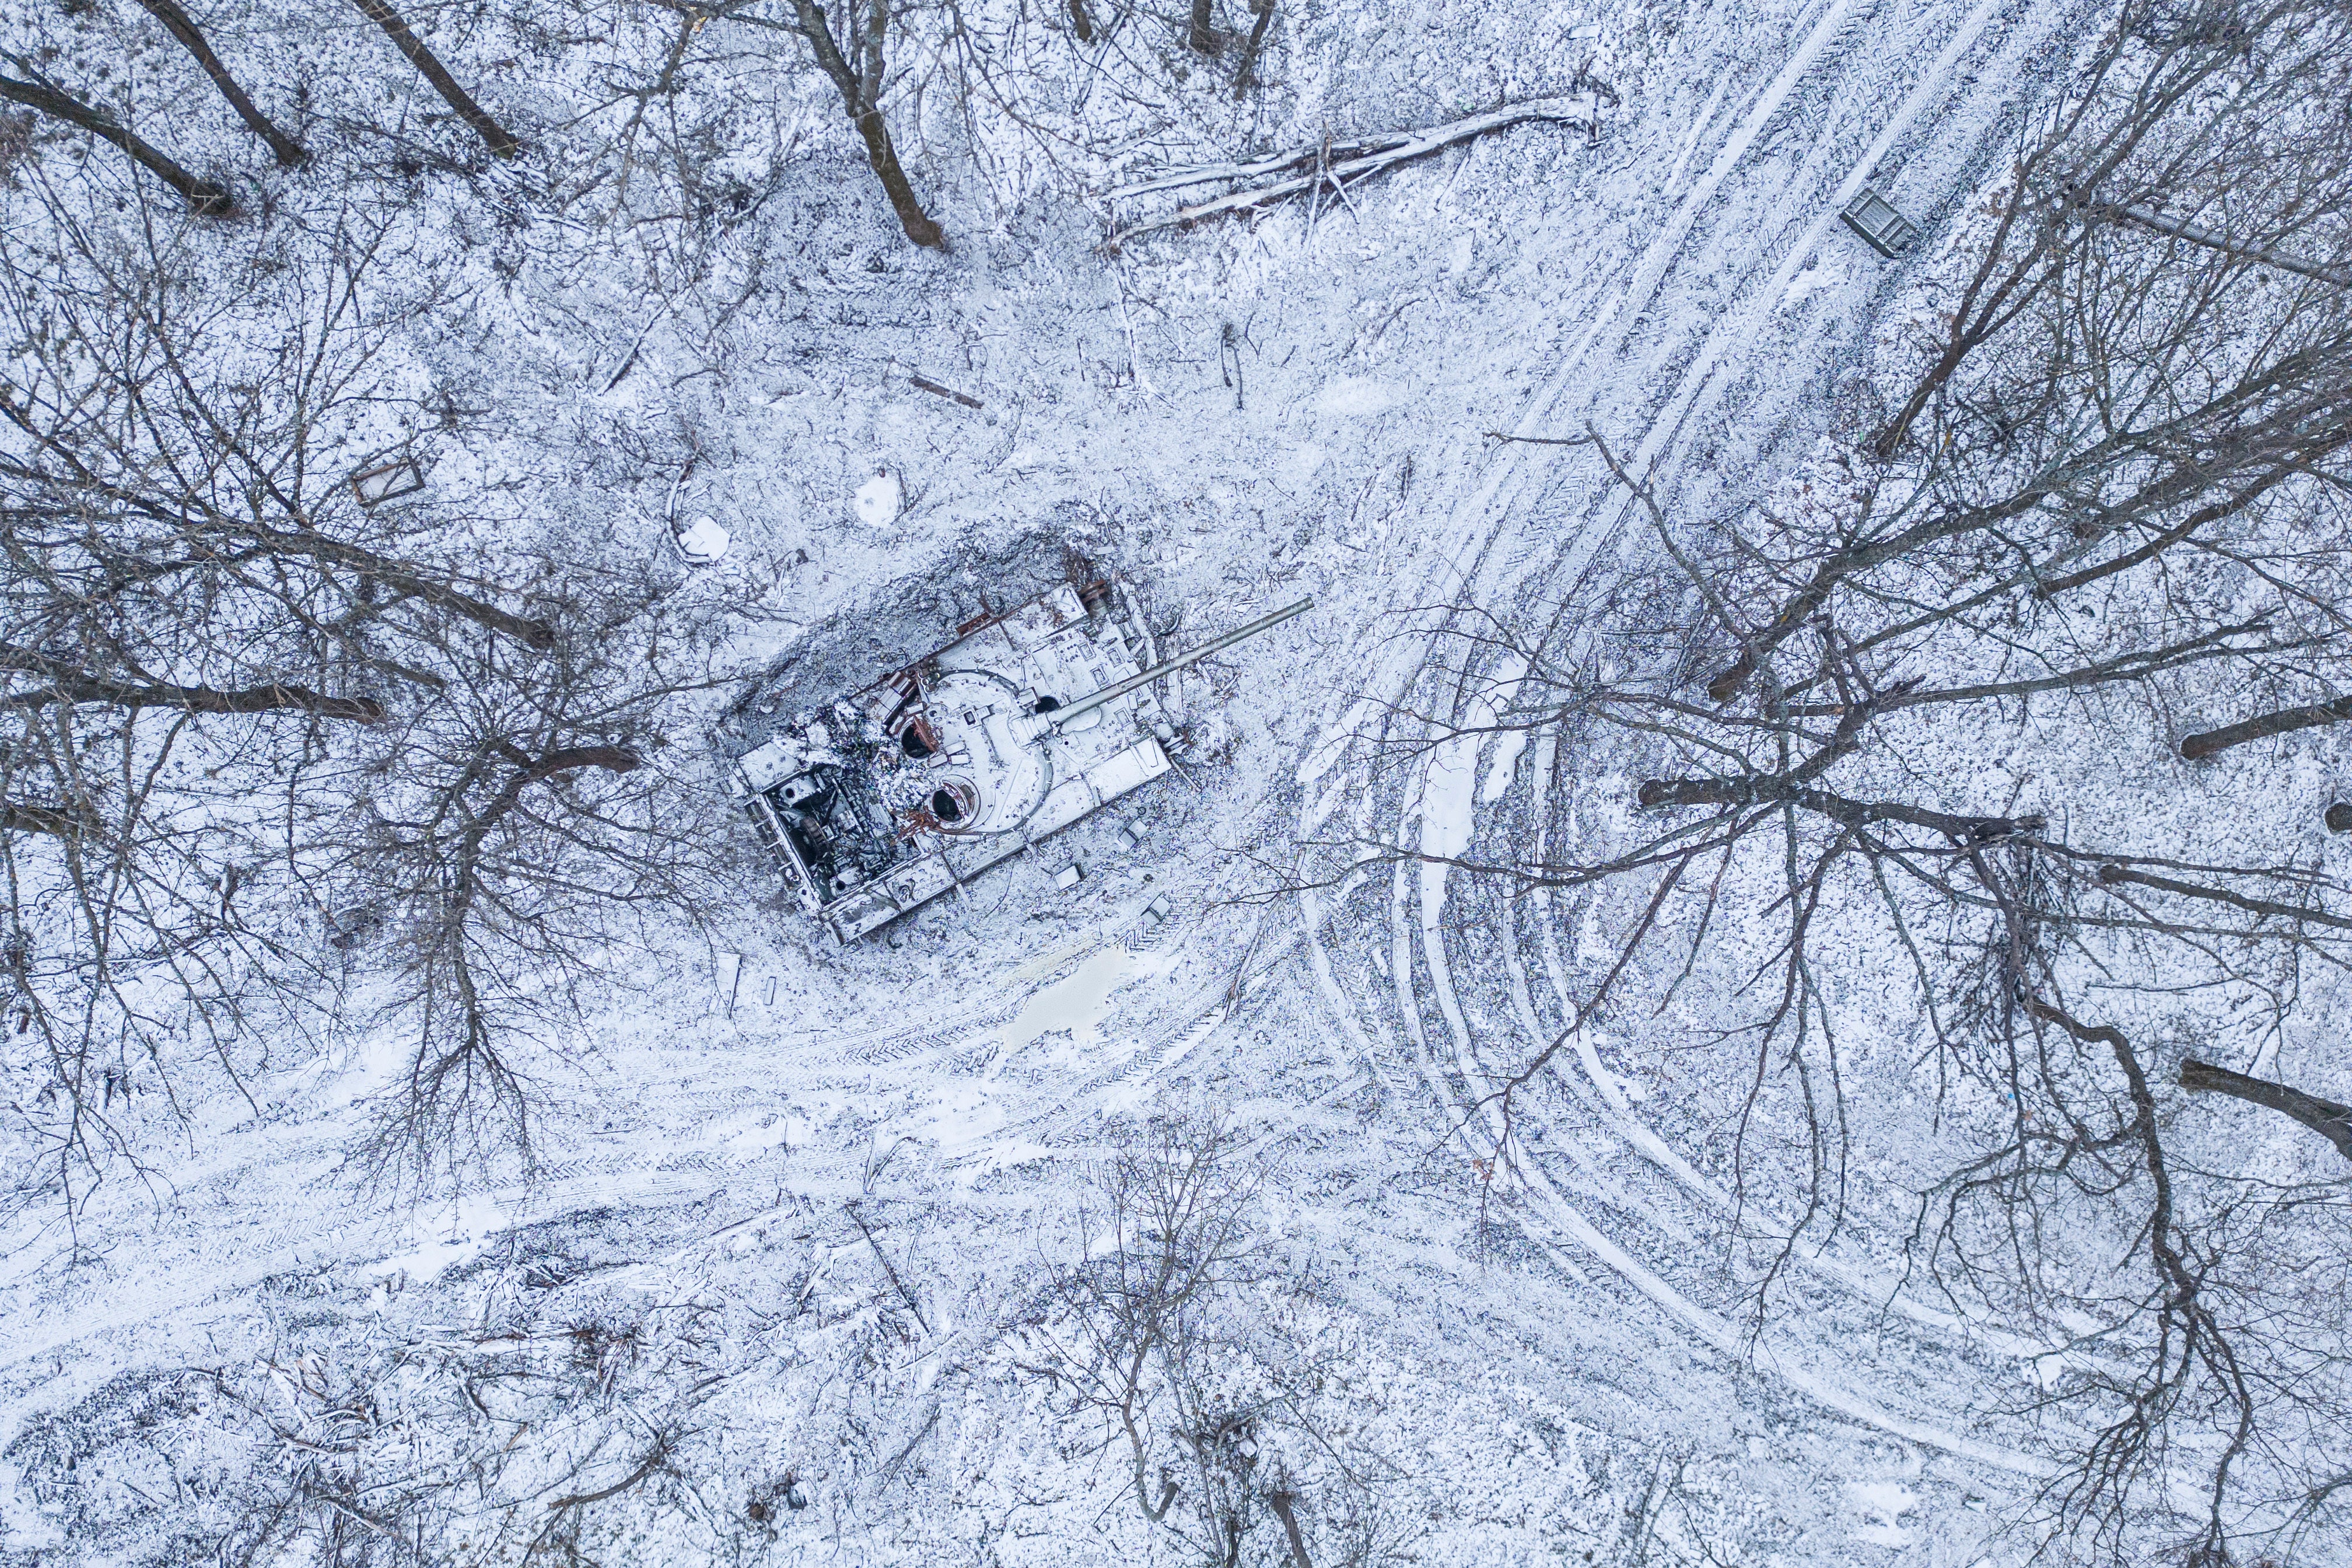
838, 829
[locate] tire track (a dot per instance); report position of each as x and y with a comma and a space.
1547, 1219
1481, 554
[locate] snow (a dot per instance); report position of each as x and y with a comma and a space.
878, 500
1355, 396
1532, 1329
1883, 1504
1076, 1005
440, 1239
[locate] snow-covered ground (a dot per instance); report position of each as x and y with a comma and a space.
802, 1251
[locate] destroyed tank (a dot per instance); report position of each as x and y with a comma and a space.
1026, 722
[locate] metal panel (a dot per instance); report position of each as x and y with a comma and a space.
1884, 229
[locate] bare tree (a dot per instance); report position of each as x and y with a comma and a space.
36, 92
197, 615
516, 836
1246, 75
502, 142
1155, 1337
347, 1450
1178, 1204
176, 21
857, 68
1199, 31
2264, 727
2325, 1117
2109, 488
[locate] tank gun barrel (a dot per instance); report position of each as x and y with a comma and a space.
1087, 704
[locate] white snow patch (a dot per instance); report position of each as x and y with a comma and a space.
1135, 1089
1821, 275
782, 1129
1506, 764
1447, 793
1358, 395
878, 499
441, 1239
1446, 820
1319, 810
703, 541
1627, 1089
963, 1116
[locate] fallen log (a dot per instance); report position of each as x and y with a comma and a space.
1338, 164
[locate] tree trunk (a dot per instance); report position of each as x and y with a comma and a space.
2325, 1117
2197, 747
500, 141
1282, 1500
567, 759
2159, 224
69, 683
203, 196
175, 21
1752, 792
1080, 23
1200, 36
57, 822
859, 90
2113, 875
903, 201
401, 579
1247, 78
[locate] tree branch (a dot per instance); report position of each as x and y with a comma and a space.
2325, 1117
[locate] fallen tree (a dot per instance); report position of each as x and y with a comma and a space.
1339, 163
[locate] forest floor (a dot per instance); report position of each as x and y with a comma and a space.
1310, 401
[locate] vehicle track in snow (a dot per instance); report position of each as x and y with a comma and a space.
186, 1280
1488, 540
1646, 392
1657, 383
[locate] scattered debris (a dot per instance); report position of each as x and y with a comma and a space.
388, 482
702, 541
1339, 163
1883, 228
925, 384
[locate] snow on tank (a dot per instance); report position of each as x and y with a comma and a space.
1025, 724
